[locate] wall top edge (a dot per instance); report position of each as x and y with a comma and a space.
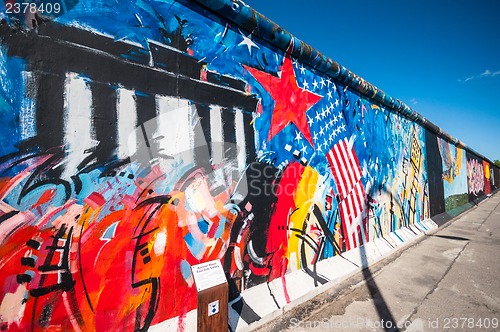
247, 18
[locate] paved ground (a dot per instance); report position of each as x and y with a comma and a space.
448, 281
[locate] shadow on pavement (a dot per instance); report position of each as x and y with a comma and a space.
387, 320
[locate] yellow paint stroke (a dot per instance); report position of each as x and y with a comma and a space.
458, 162
487, 170
303, 200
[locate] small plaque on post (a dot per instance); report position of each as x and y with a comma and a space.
207, 275
213, 308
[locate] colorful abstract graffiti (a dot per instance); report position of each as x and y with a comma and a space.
144, 137
475, 177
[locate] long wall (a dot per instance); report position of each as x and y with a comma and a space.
140, 138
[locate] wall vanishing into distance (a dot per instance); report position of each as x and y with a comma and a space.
142, 137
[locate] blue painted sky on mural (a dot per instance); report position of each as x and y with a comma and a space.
442, 58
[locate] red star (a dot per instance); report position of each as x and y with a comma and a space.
291, 101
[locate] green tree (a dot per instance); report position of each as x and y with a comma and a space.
497, 162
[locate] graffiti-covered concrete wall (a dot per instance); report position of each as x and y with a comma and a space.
140, 138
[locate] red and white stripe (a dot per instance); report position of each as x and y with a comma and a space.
347, 174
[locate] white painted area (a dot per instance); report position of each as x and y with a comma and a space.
278, 291
297, 285
79, 133
429, 223
237, 258
421, 227
389, 239
127, 122
292, 260
240, 139
415, 229
207, 275
27, 117
402, 235
174, 132
256, 139
395, 238
13, 305
216, 134
187, 323
409, 233
160, 243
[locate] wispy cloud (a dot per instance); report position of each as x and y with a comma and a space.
413, 101
486, 73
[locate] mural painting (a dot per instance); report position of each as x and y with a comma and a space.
475, 177
454, 174
143, 137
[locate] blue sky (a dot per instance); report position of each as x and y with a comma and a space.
442, 58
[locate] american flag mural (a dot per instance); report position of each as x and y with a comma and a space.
333, 140
347, 173
320, 136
